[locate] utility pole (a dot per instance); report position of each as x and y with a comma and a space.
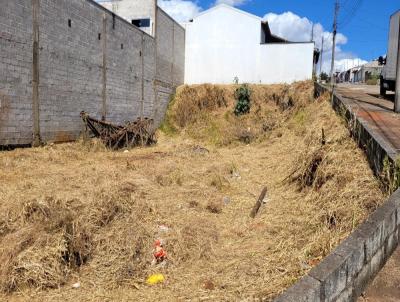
312, 33
334, 41
314, 67
322, 52
397, 93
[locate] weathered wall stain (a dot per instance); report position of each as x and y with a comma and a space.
4, 109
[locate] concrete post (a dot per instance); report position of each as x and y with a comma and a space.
35, 73
104, 47
142, 78
397, 93
173, 55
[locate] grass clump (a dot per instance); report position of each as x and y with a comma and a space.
391, 174
242, 96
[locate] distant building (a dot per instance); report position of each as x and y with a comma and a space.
224, 43
368, 71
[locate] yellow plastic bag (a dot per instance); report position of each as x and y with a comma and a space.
154, 279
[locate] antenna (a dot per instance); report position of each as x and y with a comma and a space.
322, 52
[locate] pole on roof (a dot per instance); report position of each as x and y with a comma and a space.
322, 52
312, 33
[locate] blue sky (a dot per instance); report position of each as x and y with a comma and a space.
362, 30
366, 30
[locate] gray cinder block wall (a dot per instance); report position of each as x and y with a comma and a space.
87, 59
16, 72
170, 64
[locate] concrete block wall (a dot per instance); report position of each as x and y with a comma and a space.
149, 63
124, 54
70, 66
165, 46
170, 44
178, 71
345, 273
89, 59
15, 72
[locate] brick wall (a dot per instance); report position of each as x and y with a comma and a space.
89, 59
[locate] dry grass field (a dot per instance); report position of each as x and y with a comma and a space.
80, 213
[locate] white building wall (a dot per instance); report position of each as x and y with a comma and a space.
224, 43
283, 63
134, 9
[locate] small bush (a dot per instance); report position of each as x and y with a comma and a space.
242, 96
372, 82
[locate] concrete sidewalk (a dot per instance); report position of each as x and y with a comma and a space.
376, 112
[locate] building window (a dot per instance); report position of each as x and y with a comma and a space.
141, 22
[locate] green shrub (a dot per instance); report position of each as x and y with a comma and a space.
372, 82
242, 96
324, 76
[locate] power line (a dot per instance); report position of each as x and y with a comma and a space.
381, 30
350, 9
347, 18
376, 26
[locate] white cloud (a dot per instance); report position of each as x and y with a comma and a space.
180, 10
231, 2
299, 29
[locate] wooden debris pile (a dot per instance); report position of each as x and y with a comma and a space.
138, 133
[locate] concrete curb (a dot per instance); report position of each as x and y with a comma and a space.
345, 273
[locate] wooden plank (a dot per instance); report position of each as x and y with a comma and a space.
258, 204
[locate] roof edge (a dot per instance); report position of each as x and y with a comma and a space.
230, 7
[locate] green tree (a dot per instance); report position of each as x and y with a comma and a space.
323, 76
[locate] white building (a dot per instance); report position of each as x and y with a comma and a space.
224, 43
141, 13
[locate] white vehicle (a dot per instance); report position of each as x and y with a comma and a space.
388, 76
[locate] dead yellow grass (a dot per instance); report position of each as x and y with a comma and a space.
206, 112
78, 212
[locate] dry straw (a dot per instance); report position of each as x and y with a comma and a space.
80, 213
